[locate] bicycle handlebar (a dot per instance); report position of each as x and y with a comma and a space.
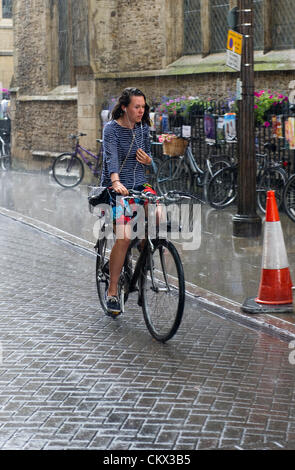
76, 136
170, 196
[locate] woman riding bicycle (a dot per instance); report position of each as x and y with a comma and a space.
126, 147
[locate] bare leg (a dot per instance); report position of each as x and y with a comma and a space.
117, 257
119, 250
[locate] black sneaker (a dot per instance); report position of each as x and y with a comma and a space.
113, 306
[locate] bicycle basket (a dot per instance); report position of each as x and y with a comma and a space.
174, 147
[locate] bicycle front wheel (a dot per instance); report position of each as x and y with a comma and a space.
289, 198
174, 174
275, 179
68, 170
163, 291
222, 188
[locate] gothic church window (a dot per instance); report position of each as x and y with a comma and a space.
6, 8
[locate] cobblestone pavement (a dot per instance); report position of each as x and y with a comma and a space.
71, 378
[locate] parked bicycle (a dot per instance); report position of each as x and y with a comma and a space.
289, 197
68, 168
157, 275
222, 189
184, 174
5, 155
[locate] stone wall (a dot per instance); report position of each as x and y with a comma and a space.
129, 43
6, 51
31, 55
127, 35
41, 126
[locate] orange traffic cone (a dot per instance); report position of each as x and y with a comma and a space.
275, 289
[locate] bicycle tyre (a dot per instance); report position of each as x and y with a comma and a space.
173, 173
218, 164
271, 179
102, 271
68, 170
104, 247
289, 198
222, 188
163, 309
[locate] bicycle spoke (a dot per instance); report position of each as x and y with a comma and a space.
102, 269
289, 198
222, 188
272, 179
174, 173
163, 292
68, 170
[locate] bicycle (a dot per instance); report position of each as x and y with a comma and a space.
182, 171
68, 169
151, 170
222, 189
157, 275
5, 155
289, 198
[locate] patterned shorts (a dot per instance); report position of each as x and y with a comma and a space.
121, 208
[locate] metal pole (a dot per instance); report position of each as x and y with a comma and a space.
246, 223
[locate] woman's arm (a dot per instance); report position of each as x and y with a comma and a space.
110, 147
144, 155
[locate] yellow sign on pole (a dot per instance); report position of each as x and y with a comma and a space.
234, 50
234, 42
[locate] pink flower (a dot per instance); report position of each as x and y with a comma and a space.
255, 106
266, 124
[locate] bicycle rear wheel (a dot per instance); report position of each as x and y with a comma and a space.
275, 179
289, 198
163, 291
5, 158
222, 188
218, 164
104, 247
174, 173
68, 170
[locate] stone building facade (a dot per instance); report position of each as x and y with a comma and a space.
72, 57
6, 43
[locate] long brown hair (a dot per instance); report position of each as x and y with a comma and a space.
125, 99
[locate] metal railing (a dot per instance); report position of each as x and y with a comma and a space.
263, 134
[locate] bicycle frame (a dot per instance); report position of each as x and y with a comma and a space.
79, 150
188, 155
139, 263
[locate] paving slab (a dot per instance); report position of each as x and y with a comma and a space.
72, 378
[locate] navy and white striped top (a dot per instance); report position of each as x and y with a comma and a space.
116, 143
